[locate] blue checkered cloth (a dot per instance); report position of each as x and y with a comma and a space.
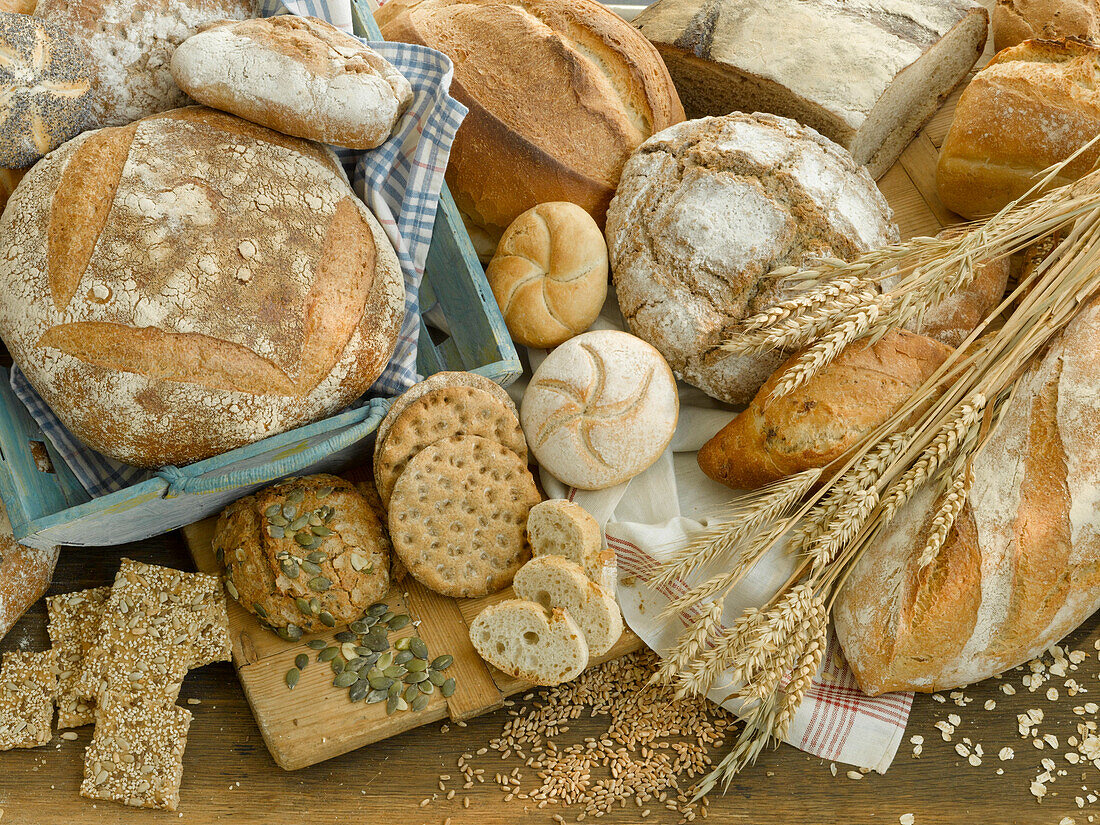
400, 181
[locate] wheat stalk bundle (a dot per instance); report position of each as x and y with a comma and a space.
769, 655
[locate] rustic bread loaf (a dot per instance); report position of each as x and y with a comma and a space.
9, 179
297, 75
1032, 106
25, 574
46, 86
549, 274
558, 583
191, 283
1021, 566
818, 423
560, 92
557, 527
705, 210
1015, 21
600, 409
18, 6
866, 75
545, 647
131, 43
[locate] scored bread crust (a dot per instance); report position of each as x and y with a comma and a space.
705, 210
560, 132
1021, 565
523, 639
1015, 21
1032, 106
193, 282
557, 583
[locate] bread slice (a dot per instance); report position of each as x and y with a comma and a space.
528, 641
555, 582
561, 528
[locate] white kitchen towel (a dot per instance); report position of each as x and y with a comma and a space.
649, 517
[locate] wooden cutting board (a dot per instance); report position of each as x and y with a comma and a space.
316, 721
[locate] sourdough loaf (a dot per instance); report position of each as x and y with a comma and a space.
559, 91
866, 75
818, 423
705, 210
131, 43
191, 283
1032, 106
1015, 21
1021, 566
25, 574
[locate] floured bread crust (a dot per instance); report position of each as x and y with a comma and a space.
297, 75
25, 574
705, 210
190, 283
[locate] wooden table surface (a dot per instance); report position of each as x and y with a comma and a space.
229, 776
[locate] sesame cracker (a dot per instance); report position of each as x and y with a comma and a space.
28, 684
74, 620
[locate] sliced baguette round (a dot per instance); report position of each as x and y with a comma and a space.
558, 583
557, 527
525, 640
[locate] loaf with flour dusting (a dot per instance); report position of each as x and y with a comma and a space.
1021, 567
297, 75
25, 574
193, 282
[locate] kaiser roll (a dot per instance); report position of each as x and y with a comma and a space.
560, 92
193, 282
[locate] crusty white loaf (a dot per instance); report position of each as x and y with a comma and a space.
705, 210
297, 75
1021, 566
555, 582
600, 409
525, 640
131, 43
25, 574
1015, 21
1032, 106
557, 527
193, 282
560, 92
866, 75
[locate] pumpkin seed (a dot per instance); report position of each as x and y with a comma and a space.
426, 687
358, 691
337, 666
300, 661
394, 671
345, 636
327, 618
402, 657
400, 621
259, 610
289, 511
323, 492
391, 705
402, 644
380, 682
395, 689
448, 688
311, 568
305, 539
436, 678
347, 650
377, 609
295, 496
232, 588
418, 648
402, 704
290, 567
359, 562
345, 679
385, 660
376, 696
356, 663
328, 654
276, 532
442, 662
315, 606
366, 653
299, 522
291, 633
320, 584
317, 557
317, 644
417, 664
413, 677
320, 530
359, 627
420, 702
292, 677
409, 693
273, 510
314, 519
376, 640
385, 617
303, 605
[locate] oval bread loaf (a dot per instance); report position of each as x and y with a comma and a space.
298, 75
558, 583
1021, 565
525, 640
193, 282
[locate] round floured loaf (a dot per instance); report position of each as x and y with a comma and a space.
192, 282
1020, 568
131, 43
298, 75
705, 210
600, 409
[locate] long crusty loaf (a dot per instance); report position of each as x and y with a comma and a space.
1021, 566
819, 422
1032, 106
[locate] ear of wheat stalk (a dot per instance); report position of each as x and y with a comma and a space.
932, 438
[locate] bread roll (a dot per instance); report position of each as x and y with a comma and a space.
46, 86
1015, 21
192, 282
1032, 106
549, 274
560, 92
297, 75
817, 424
25, 574
131, 43
1020, 568
705, 210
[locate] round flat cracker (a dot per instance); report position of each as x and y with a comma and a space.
438, 414
458, 516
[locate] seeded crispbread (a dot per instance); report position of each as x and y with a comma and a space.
458, 514
28, 685
448, 411
555, 582
74, 630
526, 640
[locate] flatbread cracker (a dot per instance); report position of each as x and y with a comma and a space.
74, 630
28, 685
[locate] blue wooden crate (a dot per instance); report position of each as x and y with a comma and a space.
47, 505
